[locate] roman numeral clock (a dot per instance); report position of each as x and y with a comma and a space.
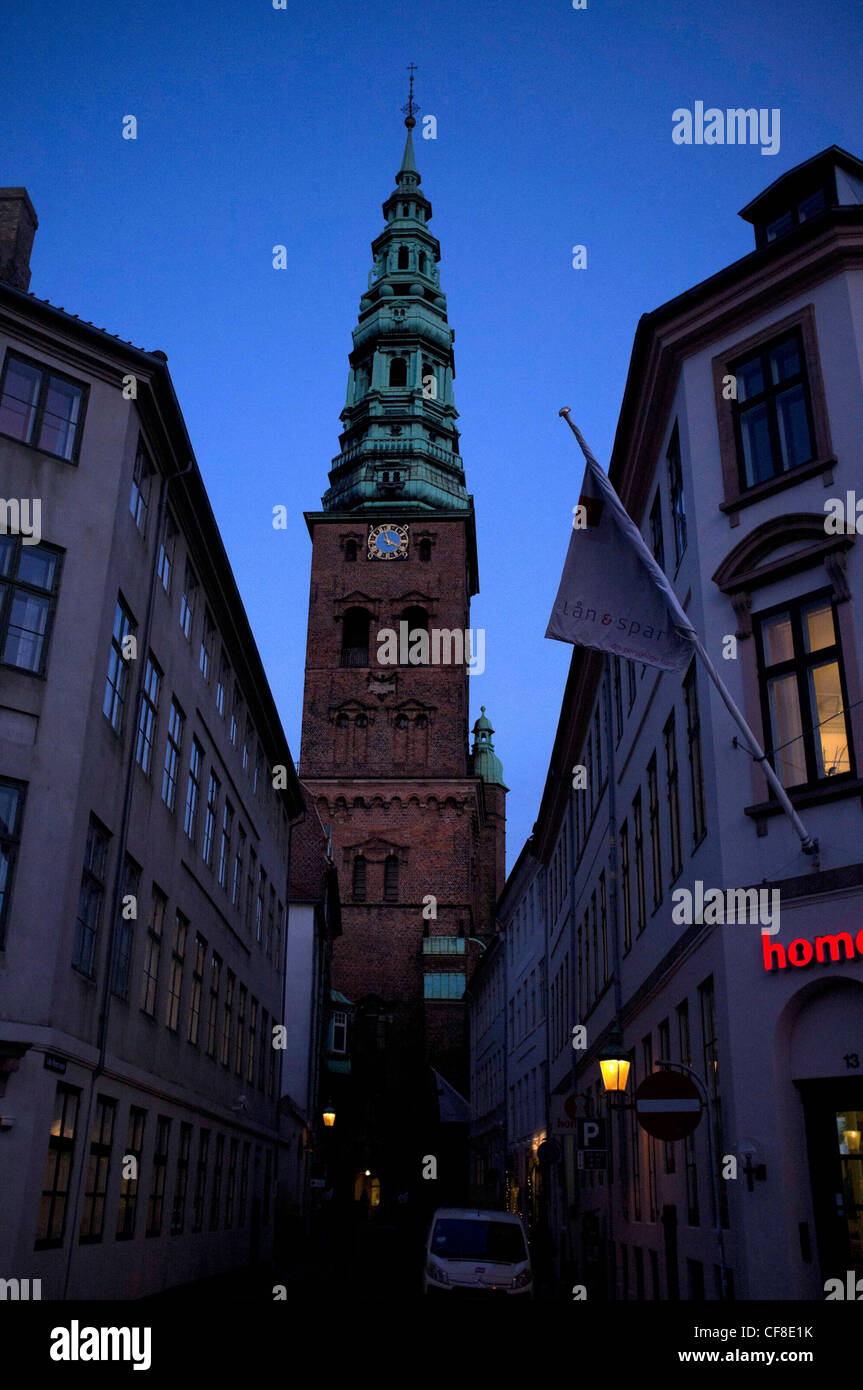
388, 542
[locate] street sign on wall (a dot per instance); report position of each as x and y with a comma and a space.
668, 1105
591, 1134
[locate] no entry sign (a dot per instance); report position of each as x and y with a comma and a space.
667, 1105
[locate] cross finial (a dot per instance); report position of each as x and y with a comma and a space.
411, 104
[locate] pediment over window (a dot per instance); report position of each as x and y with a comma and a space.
414, 598
778, 547
351, 708
375, 850
783, 546
356, 599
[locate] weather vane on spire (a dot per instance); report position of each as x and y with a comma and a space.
412, 106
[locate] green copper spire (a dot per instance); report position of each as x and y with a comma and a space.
400, 443
409, 164
486, 764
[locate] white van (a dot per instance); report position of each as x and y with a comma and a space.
477, 1253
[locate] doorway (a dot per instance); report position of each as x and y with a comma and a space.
833, 1112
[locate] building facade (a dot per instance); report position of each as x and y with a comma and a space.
735, 451
488, 1055
314, 922
147, 795
522, 916
417, 816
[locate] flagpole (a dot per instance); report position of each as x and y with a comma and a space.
808, 844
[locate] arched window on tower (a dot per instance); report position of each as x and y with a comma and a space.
355, 637
350, 550
359, 879
403, 260
391, 879
422, 263
417, 619
398, 372
425, 550
406, 210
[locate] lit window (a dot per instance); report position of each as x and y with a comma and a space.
58, 1169
448, 986
803, 692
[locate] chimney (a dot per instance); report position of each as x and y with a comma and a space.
18, 223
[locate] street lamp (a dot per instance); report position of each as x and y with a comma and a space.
613, 1065
329, 1116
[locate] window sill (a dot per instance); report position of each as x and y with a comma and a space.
37, 449
800, 800
778, 484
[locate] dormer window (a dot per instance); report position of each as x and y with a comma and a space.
780, 227
801, 212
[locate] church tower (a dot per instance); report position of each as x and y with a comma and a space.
417, 816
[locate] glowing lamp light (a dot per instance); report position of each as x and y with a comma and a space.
613, 1065
852, 1140
615, 1073
329, 1116
368, 1172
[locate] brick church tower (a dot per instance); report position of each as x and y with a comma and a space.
417, 816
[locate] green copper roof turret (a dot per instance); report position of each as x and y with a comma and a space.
486, 764
400, 442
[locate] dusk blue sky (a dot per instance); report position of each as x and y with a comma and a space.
259, 126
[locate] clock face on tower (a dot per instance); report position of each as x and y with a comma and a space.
388, 542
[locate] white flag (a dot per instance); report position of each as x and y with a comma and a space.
612, 594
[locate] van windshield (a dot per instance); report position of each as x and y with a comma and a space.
500, 1242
